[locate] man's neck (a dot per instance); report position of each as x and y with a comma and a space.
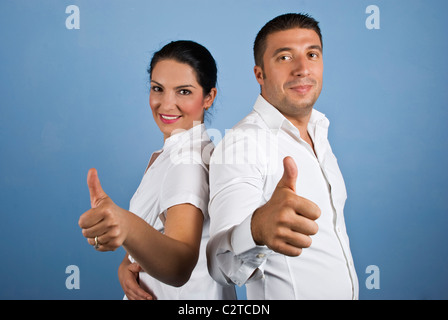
299, 120
301, 123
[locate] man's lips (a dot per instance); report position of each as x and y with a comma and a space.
301, 86
168, 119
302, 89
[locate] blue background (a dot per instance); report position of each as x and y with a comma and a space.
76, 99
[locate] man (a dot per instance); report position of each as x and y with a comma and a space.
276, 192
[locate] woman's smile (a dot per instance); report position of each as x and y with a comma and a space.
169, 119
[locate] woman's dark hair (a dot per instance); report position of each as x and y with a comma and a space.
193, 54
282, 23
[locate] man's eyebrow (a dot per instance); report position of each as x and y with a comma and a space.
280, 50
316, 47
312, 47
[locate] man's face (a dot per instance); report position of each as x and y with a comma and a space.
291, 77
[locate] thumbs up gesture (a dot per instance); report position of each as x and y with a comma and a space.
105, 224
286, 222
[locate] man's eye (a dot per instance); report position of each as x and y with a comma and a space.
313, 55
285, 58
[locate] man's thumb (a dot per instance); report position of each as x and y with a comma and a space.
289, 177
95, 189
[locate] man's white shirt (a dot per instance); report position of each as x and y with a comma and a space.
244, 171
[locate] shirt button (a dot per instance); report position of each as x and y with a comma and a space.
260, 255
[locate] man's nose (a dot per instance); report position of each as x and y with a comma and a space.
301, 66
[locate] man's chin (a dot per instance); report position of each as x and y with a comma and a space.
300, 106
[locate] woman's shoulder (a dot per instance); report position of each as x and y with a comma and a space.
193, 147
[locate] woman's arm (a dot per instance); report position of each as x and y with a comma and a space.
172, 256
169, 257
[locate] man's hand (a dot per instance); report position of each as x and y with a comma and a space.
286, 222
105, 225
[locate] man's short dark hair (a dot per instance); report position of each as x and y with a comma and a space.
282, 23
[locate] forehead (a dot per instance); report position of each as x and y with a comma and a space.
172, 71
292, 38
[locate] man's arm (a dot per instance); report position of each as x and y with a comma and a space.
236, 191
244, 230
233, 256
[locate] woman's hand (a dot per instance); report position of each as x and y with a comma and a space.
105, 225
128, 274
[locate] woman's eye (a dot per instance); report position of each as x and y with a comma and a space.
156, 89
184, 92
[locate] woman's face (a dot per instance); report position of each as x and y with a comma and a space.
176, 98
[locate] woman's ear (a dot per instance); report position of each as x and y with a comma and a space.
210, 98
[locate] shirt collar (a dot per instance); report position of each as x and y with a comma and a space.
270, 115
275, 120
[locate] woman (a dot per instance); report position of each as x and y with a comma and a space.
165, 231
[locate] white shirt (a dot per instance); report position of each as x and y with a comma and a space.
179, 175
244, 171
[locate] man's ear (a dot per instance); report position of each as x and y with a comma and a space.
259, 75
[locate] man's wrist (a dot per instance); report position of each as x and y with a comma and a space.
255, 230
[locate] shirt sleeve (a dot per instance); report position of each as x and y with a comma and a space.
185, 183
236, 191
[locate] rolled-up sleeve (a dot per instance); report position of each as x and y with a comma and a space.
236, 191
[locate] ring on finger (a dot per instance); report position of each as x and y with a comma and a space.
97, 244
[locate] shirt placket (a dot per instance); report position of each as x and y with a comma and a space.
323, 152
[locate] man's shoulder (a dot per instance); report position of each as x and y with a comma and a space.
252, 121
248, 142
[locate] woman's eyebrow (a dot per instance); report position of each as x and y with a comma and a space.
185, 86
159, 84
178, 87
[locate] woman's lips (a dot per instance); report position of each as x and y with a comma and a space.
168, 119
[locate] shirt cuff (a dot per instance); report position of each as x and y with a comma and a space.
248, 252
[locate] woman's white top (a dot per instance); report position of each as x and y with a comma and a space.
179, 175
